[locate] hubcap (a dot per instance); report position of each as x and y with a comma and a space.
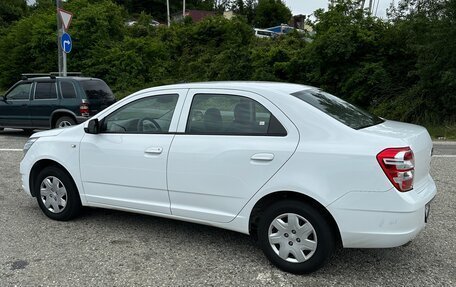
292, 237
53, 194
64, 124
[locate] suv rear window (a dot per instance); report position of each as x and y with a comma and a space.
339, 109
97, 90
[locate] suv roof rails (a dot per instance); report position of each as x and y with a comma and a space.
69, 74
52, 75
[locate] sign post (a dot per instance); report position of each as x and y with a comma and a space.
59, 35
64, 40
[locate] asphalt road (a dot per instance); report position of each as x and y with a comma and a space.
112, 248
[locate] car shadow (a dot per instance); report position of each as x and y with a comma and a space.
357, 262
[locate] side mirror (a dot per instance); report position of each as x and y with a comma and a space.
93, 127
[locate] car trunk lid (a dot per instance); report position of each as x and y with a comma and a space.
416, 137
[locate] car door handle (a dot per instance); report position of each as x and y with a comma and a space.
154, 150
262, 156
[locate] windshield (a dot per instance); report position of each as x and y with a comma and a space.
339, 109
97, 90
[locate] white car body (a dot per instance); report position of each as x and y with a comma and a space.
218, 179
263, 33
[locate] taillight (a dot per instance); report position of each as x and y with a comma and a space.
399, 166
84, 109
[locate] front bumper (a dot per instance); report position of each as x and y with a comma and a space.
25, 178
382, 219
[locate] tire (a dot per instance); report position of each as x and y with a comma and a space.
304, 249
63, 122
48, 187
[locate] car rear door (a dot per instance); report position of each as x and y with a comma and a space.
44, 101
125, 164
229, 144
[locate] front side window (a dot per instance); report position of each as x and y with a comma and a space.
20, 92
231, 115
339, 109
45, 91
150, 115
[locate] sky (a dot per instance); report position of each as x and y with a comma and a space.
307, 7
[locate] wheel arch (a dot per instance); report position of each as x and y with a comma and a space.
39, 166
61, 113
271, 198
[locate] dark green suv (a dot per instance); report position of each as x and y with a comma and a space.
52, 102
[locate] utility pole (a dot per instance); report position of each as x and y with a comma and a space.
370, 7
183, 9
167, 11
61, 55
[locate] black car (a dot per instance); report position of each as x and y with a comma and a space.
51, 102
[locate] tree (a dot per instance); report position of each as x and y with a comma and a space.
245, 8
11, 10
270, 13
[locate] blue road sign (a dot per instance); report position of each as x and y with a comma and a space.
66, 43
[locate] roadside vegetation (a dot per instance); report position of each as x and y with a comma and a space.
402, 68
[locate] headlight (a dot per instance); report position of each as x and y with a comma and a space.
29, 144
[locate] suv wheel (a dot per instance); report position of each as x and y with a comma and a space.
57, 194
64, 122
295, 236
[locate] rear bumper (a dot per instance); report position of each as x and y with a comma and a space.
382, 219
80, 119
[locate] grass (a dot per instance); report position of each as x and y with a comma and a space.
442, 132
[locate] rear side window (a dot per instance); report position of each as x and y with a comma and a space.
339, 109
231, 115
97, 90
68, 90
45, 91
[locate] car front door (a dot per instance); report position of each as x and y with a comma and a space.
125, 164
228, 145
14, 107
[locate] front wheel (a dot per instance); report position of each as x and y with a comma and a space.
295, 236
57, 194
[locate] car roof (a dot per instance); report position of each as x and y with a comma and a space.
252, 86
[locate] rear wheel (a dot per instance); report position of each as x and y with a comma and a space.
57, 194
64, 122
295, 236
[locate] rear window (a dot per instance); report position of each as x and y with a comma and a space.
339, 109
97, 90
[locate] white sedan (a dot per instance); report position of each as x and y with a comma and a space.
298, 169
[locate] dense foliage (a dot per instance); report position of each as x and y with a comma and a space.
401, 68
